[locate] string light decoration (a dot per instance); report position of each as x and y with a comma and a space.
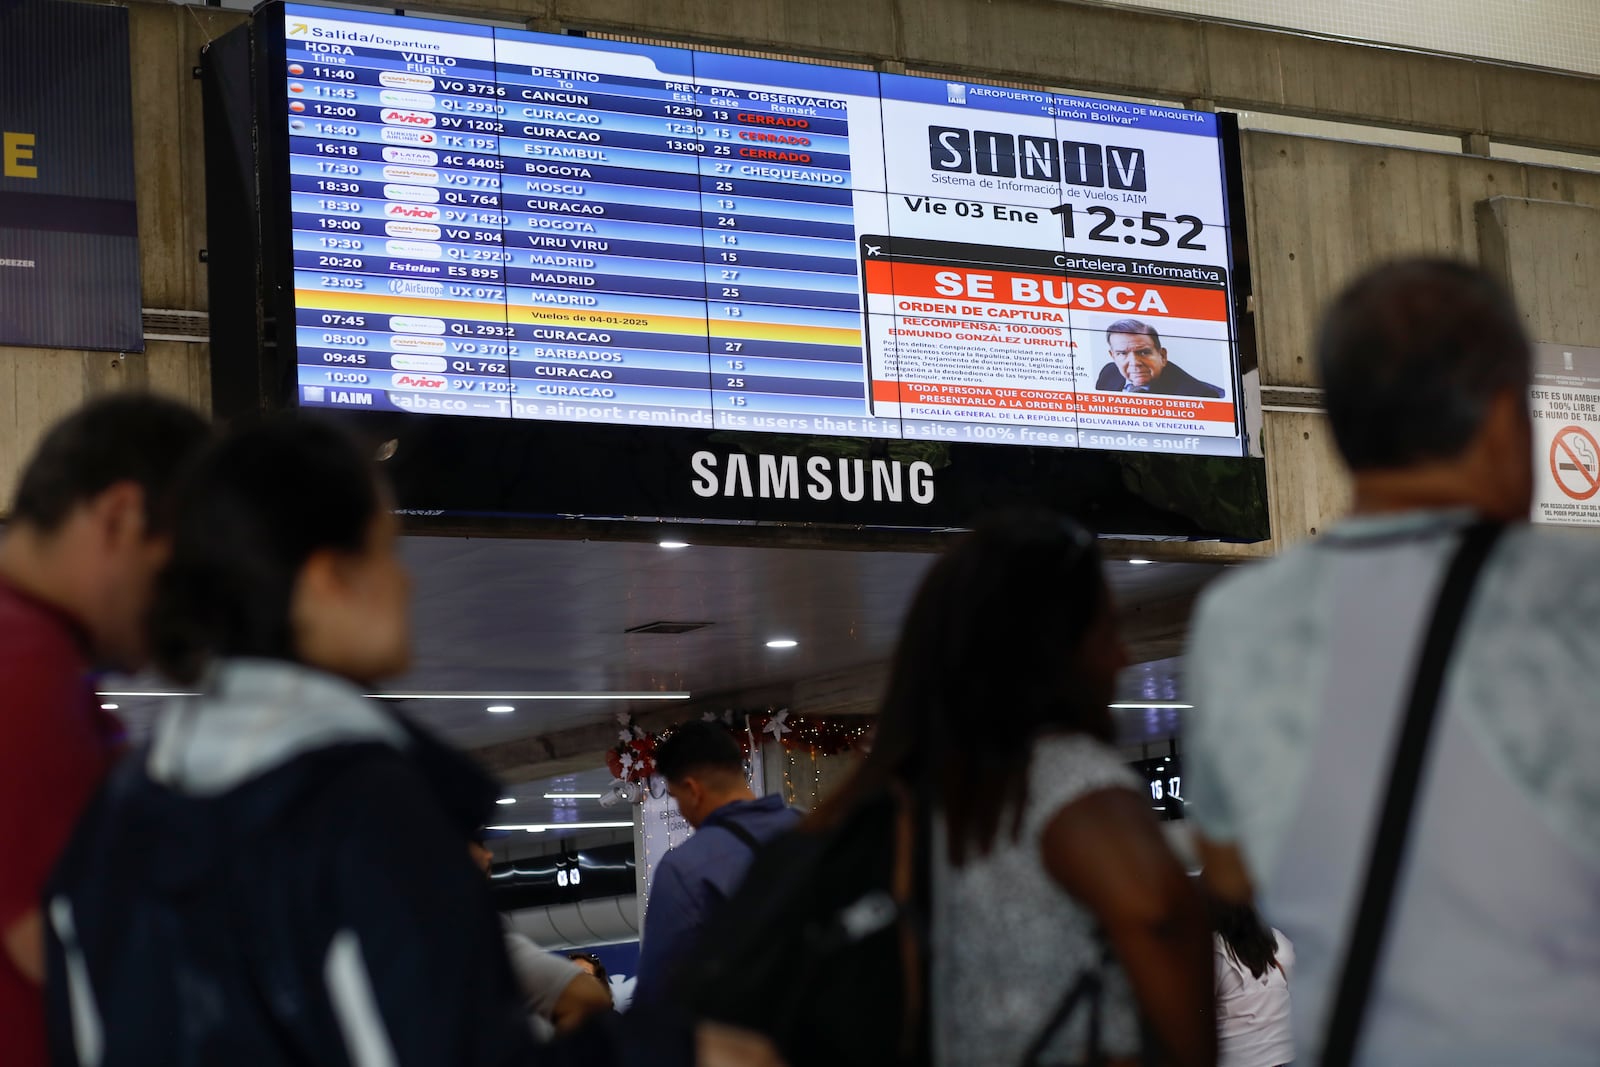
632, 759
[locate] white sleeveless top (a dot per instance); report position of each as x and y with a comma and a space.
1009, 942
1254, 1026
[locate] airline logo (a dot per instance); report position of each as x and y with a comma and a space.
411, 175
418, 381
419, 194
296, 87
431, 364
414, 287
296, 106
412, 250
411, 324
422, 231
395, 79
413, 212
297, 125
401, 135
427, 345
416, 101
419, 157
396, 117
296, 69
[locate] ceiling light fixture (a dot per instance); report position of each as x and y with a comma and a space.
109, 707
542, 827
599, 694
673, 544
1157, 705
1140, 562
506, 800
501, 709
782, 642
573, 796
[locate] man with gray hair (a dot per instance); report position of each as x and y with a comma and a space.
1139, 365
1304, 671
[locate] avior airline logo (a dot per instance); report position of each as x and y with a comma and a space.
396, 79
402, 135
419, 382
417, 157
396, 117
415, 101
413, 212
411, 175
415, 193
422, 231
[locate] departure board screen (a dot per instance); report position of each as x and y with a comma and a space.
502, 224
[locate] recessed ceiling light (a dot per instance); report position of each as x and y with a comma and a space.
782, 642
673, 544
541, 827
599, 694
506, 800
572, 796
1140, 562
109, 707
1156, 705
500, 709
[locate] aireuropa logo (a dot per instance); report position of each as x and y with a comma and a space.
413, 212
1010, 155
418, 382
395, 117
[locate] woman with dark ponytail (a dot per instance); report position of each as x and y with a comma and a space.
1254, 963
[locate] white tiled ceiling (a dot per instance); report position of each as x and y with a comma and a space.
1563, 34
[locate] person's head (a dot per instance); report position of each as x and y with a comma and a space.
1248, 939
284, 547
1011, 635
95, 500
590, 964
703, 767
1135, 348
482, 858
1425, 368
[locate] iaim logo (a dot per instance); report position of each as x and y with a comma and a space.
955, 93
1009, 155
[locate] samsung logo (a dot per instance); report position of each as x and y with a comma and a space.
1009, 155
767, 477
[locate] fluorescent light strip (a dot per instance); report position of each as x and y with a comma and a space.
542, 827
481, 697
1157, 705
573, 796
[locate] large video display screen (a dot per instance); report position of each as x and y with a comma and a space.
502, 224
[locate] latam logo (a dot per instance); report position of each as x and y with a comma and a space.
395, 79
433, 364
412, 212
414, 193
411, 175
401, 135
395, 117
416, 157
411, 324
823, 478
429, 345
1009, 155
421, 231
412, 250
415, 101
416, 381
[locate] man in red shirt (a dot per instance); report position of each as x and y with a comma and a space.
86, 537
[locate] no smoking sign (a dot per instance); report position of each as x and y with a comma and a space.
1575, 462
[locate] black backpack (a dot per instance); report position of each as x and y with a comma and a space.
822, 946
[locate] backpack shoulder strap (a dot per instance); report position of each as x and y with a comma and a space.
1405, 774
750, 840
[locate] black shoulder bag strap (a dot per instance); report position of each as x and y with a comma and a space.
1088, 989
1405, 775
750, 840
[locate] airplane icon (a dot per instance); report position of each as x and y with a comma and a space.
874, 250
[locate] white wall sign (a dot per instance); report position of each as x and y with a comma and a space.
1566, 435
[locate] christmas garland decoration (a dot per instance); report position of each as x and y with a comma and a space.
632, 759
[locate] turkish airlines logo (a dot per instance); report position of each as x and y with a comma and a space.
402, 135
396, 117
425, 382
412, 212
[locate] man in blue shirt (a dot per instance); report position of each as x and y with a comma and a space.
704, 770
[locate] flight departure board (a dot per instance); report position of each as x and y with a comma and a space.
499, 224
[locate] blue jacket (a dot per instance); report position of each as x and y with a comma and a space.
694, 879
